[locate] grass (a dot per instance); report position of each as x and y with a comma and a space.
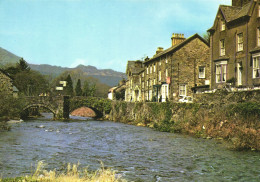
72, 174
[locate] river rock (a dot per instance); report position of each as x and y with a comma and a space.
41, 126
14, 121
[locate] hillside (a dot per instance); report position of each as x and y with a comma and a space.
7, 58
105, 76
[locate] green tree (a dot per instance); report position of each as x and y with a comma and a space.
69, 86
31, 83
86, 89
78, 90
92, 90
23, 65
206, 36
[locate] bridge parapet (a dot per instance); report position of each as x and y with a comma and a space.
58, 105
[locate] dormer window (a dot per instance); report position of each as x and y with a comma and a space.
222, 25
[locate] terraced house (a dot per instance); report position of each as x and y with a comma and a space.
135, 77
178, 71
235, 45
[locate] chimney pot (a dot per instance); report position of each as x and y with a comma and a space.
177, 38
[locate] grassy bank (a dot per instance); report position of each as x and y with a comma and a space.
72, 174
238, 123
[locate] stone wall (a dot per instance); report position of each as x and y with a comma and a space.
6, 84
238, 123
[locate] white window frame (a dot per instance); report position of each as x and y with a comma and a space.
222, 25
258, 10
151, 69
166, 60
154, 81
150, 95
222, 47
154, 68
240, 42
256, 65
258, 36
143, 74
182, 90
202, 73
221, 72
165, 92
147, 70
160, 76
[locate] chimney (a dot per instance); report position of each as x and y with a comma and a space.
159, 50
240, 3
177, 38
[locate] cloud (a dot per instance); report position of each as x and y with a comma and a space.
79, 61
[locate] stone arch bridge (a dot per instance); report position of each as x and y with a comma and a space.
62, 106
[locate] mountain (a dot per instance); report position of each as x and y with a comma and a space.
105, 76
7, 58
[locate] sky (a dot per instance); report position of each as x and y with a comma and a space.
102, 33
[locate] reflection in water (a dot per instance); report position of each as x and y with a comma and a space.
137, 153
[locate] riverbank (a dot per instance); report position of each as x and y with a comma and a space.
237, 123
72, 174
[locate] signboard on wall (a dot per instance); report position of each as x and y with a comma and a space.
168, 80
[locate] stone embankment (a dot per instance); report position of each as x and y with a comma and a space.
234, 117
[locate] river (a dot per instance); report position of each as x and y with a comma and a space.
137, 153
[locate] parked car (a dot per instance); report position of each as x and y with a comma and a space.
186, 99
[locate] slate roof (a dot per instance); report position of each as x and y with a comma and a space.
131, 67
232, 13
178, 46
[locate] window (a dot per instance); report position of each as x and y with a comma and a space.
143, 74
182, 91
154, 82
256, 66
202, 72
147, 70
166, 73
166, 60
221, 73
142, 84
222, 25
154, 68
150, 94
222, 47
258, 36
258, 10
240, 42
160, 75
151, 69
160, 63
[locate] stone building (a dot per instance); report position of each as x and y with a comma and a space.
180, 70
235, 45
6, 84
134, 81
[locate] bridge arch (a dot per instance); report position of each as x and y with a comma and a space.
39, 105
97, 112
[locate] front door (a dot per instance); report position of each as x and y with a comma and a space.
164, 92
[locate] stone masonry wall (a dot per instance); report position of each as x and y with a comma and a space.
6, 84
238, 123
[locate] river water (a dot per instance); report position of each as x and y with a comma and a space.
137, 153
